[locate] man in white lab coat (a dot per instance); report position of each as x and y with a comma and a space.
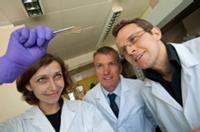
127, 112
172, 74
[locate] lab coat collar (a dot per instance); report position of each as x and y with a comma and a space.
186, 58
66, 119
124, 91
187, 62
160, 93
101, 99
39, 119
123, 99
117, 90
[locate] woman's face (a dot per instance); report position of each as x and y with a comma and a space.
47, 84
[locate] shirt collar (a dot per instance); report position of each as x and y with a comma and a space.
172, 54
173, 59
117, 90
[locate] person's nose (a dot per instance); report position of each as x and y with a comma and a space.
52, 84
106, 70
130, 49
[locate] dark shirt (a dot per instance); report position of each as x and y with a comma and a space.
173, 87
55, 119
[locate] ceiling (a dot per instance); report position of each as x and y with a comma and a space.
92, 17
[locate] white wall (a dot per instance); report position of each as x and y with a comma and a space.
83, 74
164, 11
11, 103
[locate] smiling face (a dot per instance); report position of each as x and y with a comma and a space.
108, 70
139, 47
47, 84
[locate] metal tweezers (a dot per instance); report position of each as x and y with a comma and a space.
63, 29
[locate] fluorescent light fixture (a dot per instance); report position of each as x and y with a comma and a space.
33, 7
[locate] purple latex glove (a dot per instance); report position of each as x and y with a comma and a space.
25, 47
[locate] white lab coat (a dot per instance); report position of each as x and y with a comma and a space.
132, 116
76, 116
171, 116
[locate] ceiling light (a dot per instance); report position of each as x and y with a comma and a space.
112, 18
33, 7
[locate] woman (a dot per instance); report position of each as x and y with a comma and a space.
43, 86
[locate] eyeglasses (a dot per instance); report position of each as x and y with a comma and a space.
132, 39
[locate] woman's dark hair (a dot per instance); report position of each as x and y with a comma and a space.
24, 79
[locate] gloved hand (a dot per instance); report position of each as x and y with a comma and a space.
24, 48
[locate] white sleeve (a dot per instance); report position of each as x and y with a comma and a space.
11, 125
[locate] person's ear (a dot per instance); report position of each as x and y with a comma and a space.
156, 33
28, 87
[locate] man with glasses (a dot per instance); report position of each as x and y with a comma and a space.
118, 98
172, 74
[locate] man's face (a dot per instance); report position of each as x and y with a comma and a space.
139, 47
108, 70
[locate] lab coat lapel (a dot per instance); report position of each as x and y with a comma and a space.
186, 81
160, 93
39, 119
100, 97
188, 84
187, 94
67, 117
187, 62
123, 101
